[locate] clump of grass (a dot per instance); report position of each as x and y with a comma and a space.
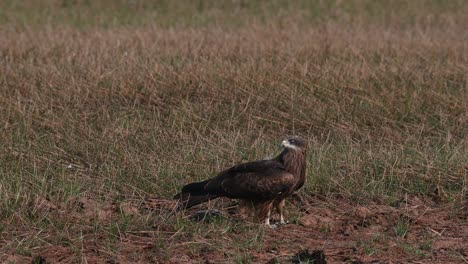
412, 250
373, 245
401, 227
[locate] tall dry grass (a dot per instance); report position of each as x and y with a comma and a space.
123, 112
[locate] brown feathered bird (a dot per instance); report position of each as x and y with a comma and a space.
264, 184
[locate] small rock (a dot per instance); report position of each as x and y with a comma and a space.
315, 221
362, 212
304, 256
348, 230
39, 260
128, 209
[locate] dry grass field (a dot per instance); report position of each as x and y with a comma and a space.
108, 107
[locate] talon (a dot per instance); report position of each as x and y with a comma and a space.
284, 222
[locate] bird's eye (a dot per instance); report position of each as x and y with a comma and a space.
292, 141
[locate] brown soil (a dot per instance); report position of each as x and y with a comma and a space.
412, 231
367, 234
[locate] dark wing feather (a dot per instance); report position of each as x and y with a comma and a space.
259, 180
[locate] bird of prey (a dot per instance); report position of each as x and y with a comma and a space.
265, 184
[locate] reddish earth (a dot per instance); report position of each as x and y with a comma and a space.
368, 235
411, 232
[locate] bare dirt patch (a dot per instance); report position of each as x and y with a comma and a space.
411, 231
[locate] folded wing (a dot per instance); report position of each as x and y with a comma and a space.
254, 181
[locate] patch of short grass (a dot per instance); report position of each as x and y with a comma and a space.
401, 227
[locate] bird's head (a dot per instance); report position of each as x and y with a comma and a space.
294, 143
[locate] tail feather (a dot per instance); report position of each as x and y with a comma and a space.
186, 200
195, 188
193, 194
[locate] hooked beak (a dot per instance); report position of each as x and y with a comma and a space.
284, 143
